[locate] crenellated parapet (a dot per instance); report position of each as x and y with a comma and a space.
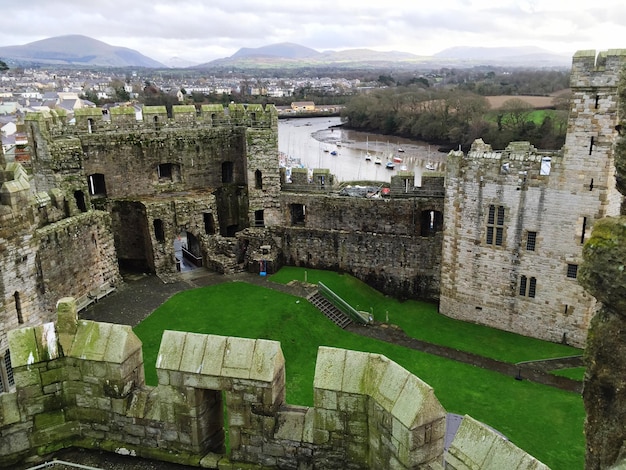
81, 384
156, 118
518, 164
597, 71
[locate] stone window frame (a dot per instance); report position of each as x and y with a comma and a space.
531, 240
572, 271
7, 380
527, 286
494, 233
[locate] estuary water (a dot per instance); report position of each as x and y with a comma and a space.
318, 143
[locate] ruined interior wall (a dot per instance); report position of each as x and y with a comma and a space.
262, 152
131, 235
377, 241
76, 255
129, 160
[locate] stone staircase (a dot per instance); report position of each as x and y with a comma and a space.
328, 309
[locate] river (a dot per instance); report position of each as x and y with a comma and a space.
308, 143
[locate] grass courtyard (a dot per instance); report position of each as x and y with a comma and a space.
544, 421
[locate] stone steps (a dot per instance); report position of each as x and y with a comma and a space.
329, 310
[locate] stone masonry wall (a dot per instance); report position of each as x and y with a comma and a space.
489, 283
47, 247
481, 281
376, 240
81, 384
85, 243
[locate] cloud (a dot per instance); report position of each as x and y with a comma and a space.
203, 31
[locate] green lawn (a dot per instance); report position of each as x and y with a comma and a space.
546, 422
421, 320
574, 373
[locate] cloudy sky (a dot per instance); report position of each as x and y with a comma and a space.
204, 30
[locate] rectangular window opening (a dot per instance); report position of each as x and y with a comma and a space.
495, 226
522, 285
531, 239
572, 271
532, 287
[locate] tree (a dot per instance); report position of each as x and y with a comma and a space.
3, 66
514, 115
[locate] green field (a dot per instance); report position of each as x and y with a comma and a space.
544, 421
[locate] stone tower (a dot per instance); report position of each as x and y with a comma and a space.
516, 220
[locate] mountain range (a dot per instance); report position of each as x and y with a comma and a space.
77, 50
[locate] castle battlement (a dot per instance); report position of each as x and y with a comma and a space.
81, 383
597, 71
155, 118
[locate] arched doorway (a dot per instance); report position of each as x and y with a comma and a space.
187, 252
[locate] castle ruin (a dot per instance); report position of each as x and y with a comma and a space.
497, 240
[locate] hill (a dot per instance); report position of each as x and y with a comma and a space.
294, 56
505, 56
75, 50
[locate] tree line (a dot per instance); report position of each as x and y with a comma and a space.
453, 118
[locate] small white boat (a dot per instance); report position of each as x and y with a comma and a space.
378, 161
368, 157
430, 166
390, 165
400, 149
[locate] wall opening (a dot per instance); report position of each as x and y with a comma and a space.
79, 196
258, 179
572, 271
90, 125
97, 185
209, 223
157, 126
495, 226
431, 222
227, 172
187, 252
231, 230
18, 307
7, 381
531, 241
159, 232
259, 220
298, 214
165, 171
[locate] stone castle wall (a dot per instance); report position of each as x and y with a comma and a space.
81, 383
489, 281
47, 247
380, 241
